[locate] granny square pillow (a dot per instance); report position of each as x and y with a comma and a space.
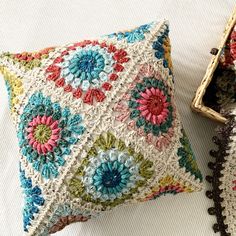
97, 127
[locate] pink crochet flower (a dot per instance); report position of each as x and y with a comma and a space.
145, 106
233, 44
43, 134
153, 106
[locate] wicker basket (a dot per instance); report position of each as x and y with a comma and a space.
197, 103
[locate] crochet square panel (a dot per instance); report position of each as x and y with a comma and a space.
97, 127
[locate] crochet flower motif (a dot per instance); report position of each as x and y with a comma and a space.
87, 69
43, 134
227, 58
132, 36
148, 108
33, 199
111, 178
111, 173
168, 185
153, 105
187, 159
46, 133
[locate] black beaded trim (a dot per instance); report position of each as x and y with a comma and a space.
222, 140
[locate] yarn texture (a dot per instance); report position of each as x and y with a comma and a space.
97, 127
223, 180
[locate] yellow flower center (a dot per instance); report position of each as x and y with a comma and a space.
42, 133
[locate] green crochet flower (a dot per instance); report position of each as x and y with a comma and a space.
111, 173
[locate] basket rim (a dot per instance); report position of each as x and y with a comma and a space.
197, 103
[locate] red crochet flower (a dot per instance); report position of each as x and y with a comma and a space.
87, 69
153, 106
43, 134
233, 44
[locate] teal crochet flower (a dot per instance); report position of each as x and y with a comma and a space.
86, 67
135, 35
46, 133
111, 174
87, 64
33, 199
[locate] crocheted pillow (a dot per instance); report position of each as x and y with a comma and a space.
97, 126
223, 180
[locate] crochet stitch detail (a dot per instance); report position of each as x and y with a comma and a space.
132, 36
85, 69
148, 108
33, 199
14, 88
111, 173
97, 126
46, 133
223, 181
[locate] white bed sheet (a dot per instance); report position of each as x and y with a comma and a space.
195, 27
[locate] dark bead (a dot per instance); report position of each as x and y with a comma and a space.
221, 200
214, 51
211, 165
214, 153
218, 192
216, 228
216, 140
209, 194
212, 211
209, 178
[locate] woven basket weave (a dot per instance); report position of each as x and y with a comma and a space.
197, 103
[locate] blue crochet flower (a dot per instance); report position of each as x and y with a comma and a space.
136, 35
111, 174
33, 199
87, 66
46, 133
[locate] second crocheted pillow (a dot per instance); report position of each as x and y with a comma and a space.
223, 179
97, 127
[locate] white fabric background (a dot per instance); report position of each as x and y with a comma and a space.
196, 26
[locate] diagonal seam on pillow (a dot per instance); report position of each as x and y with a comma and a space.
97, 126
